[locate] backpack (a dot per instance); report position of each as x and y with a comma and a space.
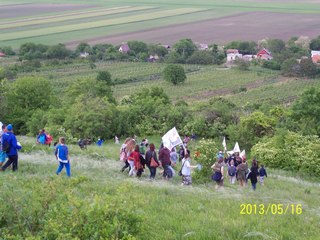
232, 171
6, 146
42, 139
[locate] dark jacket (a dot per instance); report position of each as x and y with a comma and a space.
262, 172
150, 154
253, 175
164, 156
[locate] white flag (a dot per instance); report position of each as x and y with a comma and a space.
236, 148
224, 144
171, 139
243, 153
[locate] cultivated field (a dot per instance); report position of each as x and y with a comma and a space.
119, 21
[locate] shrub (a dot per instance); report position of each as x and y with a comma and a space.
174, 74
290, 151
205, 154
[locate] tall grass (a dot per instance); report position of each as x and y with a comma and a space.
167, 209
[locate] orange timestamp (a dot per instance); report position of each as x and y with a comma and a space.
271, 208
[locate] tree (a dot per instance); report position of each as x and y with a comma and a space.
24, 97
174, 74
58, 51
104, 76
7, 50
185, 47
84, 47
138, 47
307, 68
156, 49
241, 64
306, 110
276, 45
90, 88
91, 117
315, 44
31, 51
200, 57
290, 67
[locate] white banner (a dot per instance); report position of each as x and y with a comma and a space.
171, 139
224, 144
236, 148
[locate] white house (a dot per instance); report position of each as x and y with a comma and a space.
233, 54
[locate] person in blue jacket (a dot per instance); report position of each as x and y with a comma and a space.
62, 155
11, 147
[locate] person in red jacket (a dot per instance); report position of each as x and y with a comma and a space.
135, 157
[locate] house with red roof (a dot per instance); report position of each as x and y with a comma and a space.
315, 56
264, 54
2, 54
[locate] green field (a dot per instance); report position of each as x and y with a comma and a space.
38, 199
122, 17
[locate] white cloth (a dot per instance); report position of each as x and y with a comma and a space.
186, 169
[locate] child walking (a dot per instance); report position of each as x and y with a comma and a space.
262, 174
62, 155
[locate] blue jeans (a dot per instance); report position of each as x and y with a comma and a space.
254, 186
67, 165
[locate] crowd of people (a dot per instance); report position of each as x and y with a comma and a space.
237, 170
137, 157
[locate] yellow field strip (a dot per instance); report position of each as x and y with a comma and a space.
96, 24
66, 17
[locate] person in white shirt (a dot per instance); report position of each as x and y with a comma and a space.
186, 170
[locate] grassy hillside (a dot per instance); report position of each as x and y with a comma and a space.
166, 209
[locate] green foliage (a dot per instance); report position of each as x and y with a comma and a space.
174, 74
45, 210
104, 76
252, 128
276, 45
137, 47
290, 151
200, 57
89, 88
205, 154
307, 68
7, 50
290, 67
315, 44
241, 64
244, 47
274, 65
307, 112
185, 47
91, 117
58, 51
31, 51
156, 49
24, 97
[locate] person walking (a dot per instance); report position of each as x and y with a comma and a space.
253, 174
62, 155
152, 161
11, 147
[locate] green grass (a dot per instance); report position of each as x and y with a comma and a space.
168, 210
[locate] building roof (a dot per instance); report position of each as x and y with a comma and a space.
264, 52
124, 48
232, 51
2, 54
316, 58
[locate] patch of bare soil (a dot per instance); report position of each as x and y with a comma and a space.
245, 26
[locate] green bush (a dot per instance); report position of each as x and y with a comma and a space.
46, 210
290, 151
205, 154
